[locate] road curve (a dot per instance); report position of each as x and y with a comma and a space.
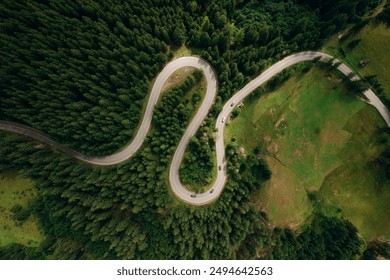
174, 178
133, 146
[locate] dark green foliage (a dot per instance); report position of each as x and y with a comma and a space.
386, 13
80, 71
258, 242
91, 210
351, 45
353, 83
384, 158
198, 164
278, 24
235, 112
258, 169
335, 15
196, 231
19, 252
377, 87
262, 32
357, 87
377, 250
251, 170
257, 93
314, 196
278, 79
19, 213
327, 238
100, 204
286, 246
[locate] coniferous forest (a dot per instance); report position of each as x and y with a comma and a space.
81, 71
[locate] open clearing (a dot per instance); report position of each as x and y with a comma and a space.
358, 187
178, 77
316, 137
375, 46
282, 193
14, 190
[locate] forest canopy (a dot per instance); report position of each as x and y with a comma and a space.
80, 71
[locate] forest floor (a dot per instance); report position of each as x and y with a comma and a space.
374, 45
15, 190
316, 137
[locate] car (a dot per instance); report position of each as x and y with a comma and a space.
223, 120
212, 190
193, 195
219, 167
231, 105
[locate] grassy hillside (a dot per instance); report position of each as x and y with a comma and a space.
309, 130
372, 42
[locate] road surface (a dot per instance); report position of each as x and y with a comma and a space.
179, 190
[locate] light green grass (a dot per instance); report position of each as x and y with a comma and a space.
14, 190
358, 187
375, 46
309, 129
357, 192
181, 51
284, 192
296, 125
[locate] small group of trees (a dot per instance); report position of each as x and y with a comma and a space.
198, 163
279, 78
377, 250
19, 213
377, 87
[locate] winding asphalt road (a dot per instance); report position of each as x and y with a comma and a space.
174, 179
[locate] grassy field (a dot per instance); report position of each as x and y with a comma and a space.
285, 191
374, 45
358, 187
14, 190
315, 136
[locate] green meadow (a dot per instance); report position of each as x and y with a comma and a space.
317, 137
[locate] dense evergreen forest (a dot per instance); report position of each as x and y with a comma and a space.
81, 70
